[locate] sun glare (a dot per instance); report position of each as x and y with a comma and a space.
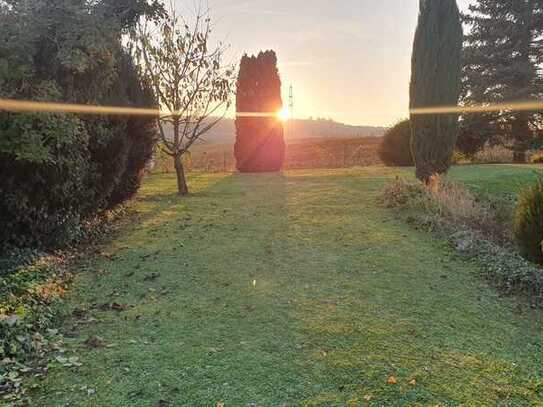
283, 114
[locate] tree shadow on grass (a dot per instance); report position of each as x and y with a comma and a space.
235, 326
273, 289
159, 200
215, 314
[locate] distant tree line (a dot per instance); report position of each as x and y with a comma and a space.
58, 169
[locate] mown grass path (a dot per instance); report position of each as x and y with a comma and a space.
292, 289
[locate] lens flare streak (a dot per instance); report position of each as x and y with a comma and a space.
48, 107
496, 107
256, 114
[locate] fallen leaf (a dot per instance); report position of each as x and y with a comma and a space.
74, 361
368, 397
151, 277
413, 382
114, 306
392, 380
85, 321
79, 313
95, 342
107, 255
68, 362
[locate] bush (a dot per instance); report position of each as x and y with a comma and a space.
476, 229
537, 158
41, 194
403, 194
59, 170
493, 154
457, 203
30, 296
395, 150
446, 204
528, 225
503, 265
475, 131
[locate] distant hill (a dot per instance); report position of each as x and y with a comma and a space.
225, 131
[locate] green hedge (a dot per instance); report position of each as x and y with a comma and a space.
528, 226
60, 169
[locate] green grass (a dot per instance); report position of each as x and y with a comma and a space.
497, 180
294, 289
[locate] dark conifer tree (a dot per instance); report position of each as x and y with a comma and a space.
141, 132
435, 81
502, 57
260, 145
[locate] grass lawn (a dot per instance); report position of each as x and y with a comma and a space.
294, 289
497, 180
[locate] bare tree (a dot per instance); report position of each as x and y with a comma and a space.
192, 85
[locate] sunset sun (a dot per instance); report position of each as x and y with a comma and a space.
283, 114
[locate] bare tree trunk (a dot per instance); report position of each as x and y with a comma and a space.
182, 187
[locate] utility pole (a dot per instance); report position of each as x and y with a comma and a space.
290, 122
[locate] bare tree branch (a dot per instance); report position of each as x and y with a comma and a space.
189, 78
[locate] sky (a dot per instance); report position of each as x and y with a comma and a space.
348, 60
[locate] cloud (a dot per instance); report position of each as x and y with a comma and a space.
248, 8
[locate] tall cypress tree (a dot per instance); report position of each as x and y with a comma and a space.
260, 145
435, 81
501, 59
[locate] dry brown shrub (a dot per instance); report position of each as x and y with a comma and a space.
455, 202
446, 203
494, 155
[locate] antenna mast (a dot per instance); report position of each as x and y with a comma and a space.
290, 123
